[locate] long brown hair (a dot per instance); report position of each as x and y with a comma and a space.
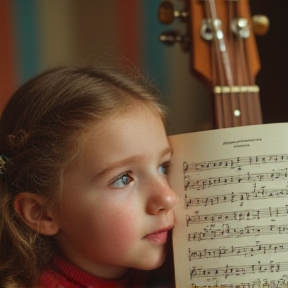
40, 134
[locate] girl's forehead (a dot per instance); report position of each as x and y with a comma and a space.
123, 123
124, 130
135, 114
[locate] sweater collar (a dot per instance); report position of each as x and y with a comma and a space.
82, 278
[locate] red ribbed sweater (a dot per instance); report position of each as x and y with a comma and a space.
65, 275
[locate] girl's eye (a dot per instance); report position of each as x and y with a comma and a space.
163, 169
122, 181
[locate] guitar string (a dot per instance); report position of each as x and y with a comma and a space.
224, 71
235, 104
218, 74
248, 100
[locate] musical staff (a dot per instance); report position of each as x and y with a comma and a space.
250, 214
238, 270
211, 233
190, 183
246, 251
233, 197
273, 283
234, 163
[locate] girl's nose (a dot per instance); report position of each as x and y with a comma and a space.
161, 198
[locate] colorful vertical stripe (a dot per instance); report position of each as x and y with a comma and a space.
26, 35
128, 28
7, 58
152, 50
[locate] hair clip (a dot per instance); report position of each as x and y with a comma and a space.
2, 163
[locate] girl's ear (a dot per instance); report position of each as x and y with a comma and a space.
31, 209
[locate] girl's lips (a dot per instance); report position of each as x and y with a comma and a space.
158, 236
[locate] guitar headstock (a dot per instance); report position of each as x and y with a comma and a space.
222, 45
207, 20
226, 31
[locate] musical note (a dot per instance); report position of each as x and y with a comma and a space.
247, 251
211, 233
235, 179
235, 163
238, 270
232, 197
251, 214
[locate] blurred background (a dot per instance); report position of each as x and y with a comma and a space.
39, 34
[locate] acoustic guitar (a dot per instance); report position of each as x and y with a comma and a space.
221, 41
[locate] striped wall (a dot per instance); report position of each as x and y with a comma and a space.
7, 53
40, 34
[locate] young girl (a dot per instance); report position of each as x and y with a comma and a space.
84, 195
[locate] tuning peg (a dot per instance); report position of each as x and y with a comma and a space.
171, 37
166, 13
260, 24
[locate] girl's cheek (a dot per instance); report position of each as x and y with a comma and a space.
126, 228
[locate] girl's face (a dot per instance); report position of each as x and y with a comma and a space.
117, 206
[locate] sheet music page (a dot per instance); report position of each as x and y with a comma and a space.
232, 215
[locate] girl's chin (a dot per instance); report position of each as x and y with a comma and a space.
154, 264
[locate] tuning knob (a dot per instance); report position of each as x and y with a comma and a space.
171, 37
260, 24
167, 14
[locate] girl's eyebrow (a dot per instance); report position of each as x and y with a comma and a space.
131, 159
166, 151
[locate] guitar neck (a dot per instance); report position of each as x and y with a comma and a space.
236, 106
